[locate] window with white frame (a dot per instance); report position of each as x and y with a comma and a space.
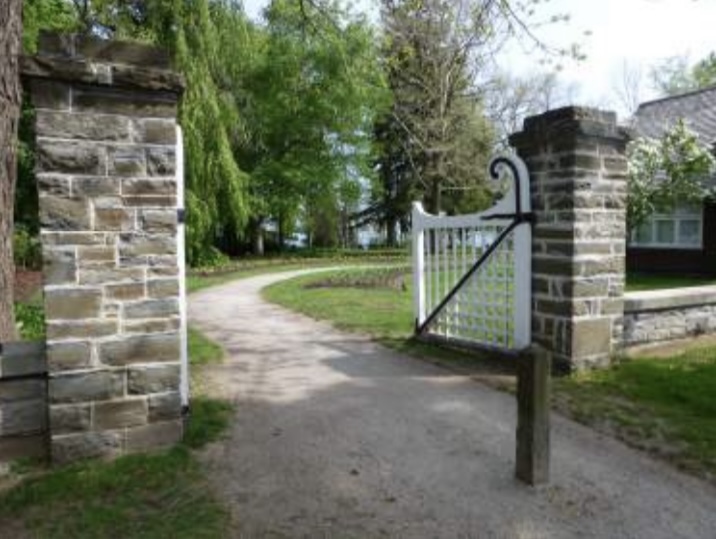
682, 229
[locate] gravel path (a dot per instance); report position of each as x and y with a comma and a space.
337, 437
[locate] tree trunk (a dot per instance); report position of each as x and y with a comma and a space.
10, 36
281, 232
257, 237
391, 238
436, 197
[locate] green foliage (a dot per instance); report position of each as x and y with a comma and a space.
30, 320
27, 250
434, 142
207, 41
674, 75
52, 15
311, 95
666, 172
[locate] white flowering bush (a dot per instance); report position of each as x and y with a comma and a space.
662, 173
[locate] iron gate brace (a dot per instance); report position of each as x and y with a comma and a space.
518, 218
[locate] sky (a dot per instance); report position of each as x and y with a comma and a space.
635, 33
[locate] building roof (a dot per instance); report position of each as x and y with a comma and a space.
697, 108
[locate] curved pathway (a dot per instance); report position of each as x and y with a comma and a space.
337, 437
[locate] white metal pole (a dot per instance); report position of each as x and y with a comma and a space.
418, 265
181, 259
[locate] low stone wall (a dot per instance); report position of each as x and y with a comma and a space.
23, 401
664, 315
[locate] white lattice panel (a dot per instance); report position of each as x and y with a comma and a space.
491, 307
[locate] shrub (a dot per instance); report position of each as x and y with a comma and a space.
30, 320
27, 249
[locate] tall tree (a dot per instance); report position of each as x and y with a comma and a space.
675, 75
10, 99
435, 140
310, 101
509, 99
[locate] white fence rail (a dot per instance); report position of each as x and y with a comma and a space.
472, 273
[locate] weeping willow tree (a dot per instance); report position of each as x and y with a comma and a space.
208, 46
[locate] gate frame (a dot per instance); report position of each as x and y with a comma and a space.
515, 209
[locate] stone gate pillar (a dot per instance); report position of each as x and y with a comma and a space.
576, 159
105, 126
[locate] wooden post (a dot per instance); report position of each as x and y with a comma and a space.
533, 447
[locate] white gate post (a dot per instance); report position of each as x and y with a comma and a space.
522, 260
418, 264
181, 260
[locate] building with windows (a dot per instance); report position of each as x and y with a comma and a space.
683, 241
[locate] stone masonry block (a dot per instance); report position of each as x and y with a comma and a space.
153, 221
140, 349
61, 213
59, 266
72, 304
162, 271
86, 386
81, 329
120, 413
124, 292
101, 275
96, 99
23, 447
65, 239
114, 219
144, 186
133, 245
48, 94
95, 186
73, 447
54, 184
147, 379
152, 308
99, 255
69, 418
22, 358
156, 131
22, 417
164, 406
27, 389
127, 161
73, 125
590, 337
163, 288
63, 356
165, 325
154, 436
69, 157
150, 201
161, 161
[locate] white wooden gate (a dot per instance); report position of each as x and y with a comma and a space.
472, 273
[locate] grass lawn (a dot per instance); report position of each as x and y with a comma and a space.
636, 282
665, 406
148, 496
199, 279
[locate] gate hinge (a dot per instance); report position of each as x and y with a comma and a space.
181, 216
